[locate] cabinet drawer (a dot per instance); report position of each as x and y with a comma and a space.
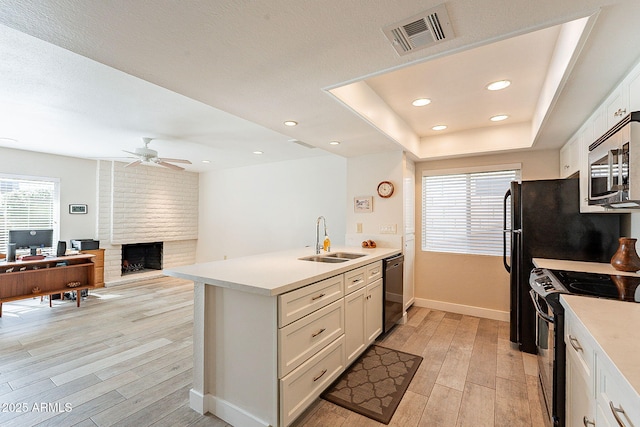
374, 271
303, 338
355, 279
305, 383
297, 304
579, 344
615, 397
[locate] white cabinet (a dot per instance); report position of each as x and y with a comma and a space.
355, 333
570, 158
617, 105
618, 404
363, 315
580, 389
373, 311
597, 394
323, 327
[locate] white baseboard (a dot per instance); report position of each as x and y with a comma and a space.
469, 310
224, 410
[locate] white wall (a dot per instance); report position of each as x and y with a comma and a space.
364, 175
256, 209
77, 186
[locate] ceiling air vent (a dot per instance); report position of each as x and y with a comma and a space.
420, 31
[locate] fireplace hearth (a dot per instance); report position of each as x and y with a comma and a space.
141, 257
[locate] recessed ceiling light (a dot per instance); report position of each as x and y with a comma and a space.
439, 127
499, 85
421, 102
258, 152
499, 118
290, 123
334, 143
206, 161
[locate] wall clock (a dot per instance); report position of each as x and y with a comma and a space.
385, 189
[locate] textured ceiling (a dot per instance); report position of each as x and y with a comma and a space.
217, 79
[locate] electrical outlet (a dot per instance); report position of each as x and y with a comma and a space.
388, 228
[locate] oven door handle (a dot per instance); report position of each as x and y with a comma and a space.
544, 316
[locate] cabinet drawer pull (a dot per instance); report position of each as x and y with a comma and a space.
587, 422
615, 412
324, 371
356, 280
318, 333
575, 343
317, 297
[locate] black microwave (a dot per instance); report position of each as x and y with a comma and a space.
614, 165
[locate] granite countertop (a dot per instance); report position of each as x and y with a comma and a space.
275, 273
615, 326
589, 267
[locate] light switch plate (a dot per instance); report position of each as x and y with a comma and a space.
388, 228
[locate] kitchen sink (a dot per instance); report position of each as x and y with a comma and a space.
324, 258
345, 255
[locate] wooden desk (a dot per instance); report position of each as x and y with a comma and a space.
36, 278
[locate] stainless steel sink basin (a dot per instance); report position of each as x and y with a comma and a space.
345, 255
323, 258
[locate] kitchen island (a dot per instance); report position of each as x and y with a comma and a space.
251, 366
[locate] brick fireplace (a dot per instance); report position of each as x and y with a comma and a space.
146, 204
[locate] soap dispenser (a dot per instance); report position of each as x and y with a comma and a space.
327, 243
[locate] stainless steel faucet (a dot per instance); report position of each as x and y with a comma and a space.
318, 244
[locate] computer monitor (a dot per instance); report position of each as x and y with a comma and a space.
31, 239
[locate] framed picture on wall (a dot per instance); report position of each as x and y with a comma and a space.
363, 204
77, 209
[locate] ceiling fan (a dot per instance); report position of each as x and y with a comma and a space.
147, 155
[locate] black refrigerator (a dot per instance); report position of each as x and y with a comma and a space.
542, 219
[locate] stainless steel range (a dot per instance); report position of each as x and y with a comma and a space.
546, 288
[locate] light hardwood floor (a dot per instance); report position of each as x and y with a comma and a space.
125, 358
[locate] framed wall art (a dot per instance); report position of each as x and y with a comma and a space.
363, 204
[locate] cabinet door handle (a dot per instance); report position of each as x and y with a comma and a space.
318, 333
317, 297
575, 343
615, 412
316, 378
587, 422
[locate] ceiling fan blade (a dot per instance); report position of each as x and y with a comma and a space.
169, 165
134, 163
163, 159
129, 152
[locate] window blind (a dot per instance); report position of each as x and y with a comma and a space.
27, 203
463, 212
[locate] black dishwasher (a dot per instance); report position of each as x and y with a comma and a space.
392, 288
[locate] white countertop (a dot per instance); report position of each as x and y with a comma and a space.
589, 267
275, 273
615, 325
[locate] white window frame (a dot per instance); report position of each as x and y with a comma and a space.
56, 205
426, 246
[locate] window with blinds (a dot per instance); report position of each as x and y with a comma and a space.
27, 203
463, 212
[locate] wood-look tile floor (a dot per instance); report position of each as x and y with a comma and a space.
125, 358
